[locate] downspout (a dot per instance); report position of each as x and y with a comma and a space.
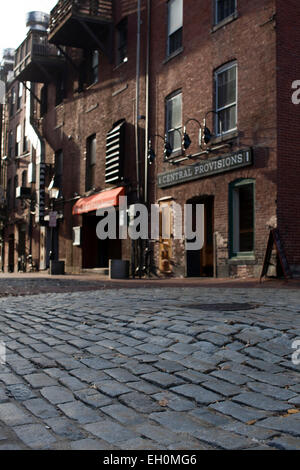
41, 175
147, 97
137, 98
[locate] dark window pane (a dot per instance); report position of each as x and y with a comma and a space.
175, 41
224, 9
122, 33
90, 163
246, 216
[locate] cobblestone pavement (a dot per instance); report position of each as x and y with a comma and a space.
176, 369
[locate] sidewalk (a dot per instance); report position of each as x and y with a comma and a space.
35, 283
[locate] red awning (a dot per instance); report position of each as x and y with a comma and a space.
101, 200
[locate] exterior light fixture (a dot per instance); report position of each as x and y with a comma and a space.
53, 190
167, 149
151, 153
207, 133
186, 141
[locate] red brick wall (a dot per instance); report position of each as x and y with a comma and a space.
288, 115
253, 45
93, 112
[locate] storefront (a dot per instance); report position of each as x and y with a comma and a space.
226, 187
96, 253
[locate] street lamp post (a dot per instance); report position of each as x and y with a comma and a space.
53, 195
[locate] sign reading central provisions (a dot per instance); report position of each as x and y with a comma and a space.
206, 168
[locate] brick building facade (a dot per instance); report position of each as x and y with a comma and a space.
215, 84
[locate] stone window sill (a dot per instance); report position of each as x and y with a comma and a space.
224, 22
173, 55
242, 259
224, 137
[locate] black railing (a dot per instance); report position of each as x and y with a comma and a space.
101, 9
35, 45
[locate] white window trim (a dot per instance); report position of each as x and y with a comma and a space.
170, 34
217, 109
173, 129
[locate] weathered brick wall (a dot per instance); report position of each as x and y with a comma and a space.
288, 116
94, 111
251, 41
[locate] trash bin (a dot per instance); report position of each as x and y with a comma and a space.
119, 269
57, 268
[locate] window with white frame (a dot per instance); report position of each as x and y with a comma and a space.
226, 98
223, 9
18, 140
175, 24
20, 95
174, 120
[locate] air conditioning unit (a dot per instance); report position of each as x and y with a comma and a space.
24, 193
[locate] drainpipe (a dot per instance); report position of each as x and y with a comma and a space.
137, 98
41, 177
147, 97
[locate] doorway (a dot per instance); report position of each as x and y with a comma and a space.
200, 263
22, 249
11, 253
96, 253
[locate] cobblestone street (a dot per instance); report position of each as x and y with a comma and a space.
160, 368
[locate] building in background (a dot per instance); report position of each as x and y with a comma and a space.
169, 103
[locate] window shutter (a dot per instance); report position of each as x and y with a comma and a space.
115, 153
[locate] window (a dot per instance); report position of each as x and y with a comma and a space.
60, 91
44, 100
16, 184
25, 139
223, 9
10, 145
226, 98
242, 197
94, 68
12, 102
90, 162
89, 69
174, 120
175, 22
18, 140
122, 33
24, 179
20, 94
